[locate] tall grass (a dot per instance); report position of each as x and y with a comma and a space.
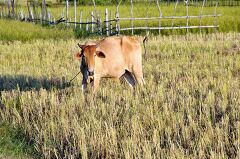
189, 107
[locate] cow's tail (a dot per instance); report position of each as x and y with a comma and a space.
144, 45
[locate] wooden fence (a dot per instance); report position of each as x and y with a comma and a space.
112, 23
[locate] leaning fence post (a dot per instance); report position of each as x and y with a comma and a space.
92, 21
80, 20
106, 21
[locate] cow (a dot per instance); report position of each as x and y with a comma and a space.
111, 57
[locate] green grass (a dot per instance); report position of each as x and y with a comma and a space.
14, 144
11, 30
189, 107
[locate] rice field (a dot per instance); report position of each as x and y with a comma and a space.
189, 107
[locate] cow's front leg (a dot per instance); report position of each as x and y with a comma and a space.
96, 82
84, 85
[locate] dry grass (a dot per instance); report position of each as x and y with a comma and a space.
188, 109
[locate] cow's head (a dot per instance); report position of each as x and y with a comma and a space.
89, 54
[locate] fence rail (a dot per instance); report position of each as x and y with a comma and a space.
169, 17
169, 28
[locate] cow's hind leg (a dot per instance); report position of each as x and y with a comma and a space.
139, 76
130, 79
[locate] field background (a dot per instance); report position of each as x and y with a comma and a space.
228, 21
189, 107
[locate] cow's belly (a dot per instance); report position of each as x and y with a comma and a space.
117, 73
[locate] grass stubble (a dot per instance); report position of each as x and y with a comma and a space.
189, 107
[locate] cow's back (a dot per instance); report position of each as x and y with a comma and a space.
122, 52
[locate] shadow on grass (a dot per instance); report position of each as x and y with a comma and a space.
26, 83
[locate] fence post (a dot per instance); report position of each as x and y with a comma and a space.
1, 11
92, 21
200, 17
132, 15
44, 11
31, 17
49, 17
75, 13
80, 20
87, 24
160, 16
106, 21
99, 24
9, 12
117, 23
215, 17
5, 10
110, 22
12, 6
62, 16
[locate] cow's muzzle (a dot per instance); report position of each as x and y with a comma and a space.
90, 73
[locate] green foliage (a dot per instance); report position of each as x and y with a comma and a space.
189, 107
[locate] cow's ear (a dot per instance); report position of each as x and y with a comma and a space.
78, 55
82, 46
100, 54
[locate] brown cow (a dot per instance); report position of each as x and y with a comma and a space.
112, 57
